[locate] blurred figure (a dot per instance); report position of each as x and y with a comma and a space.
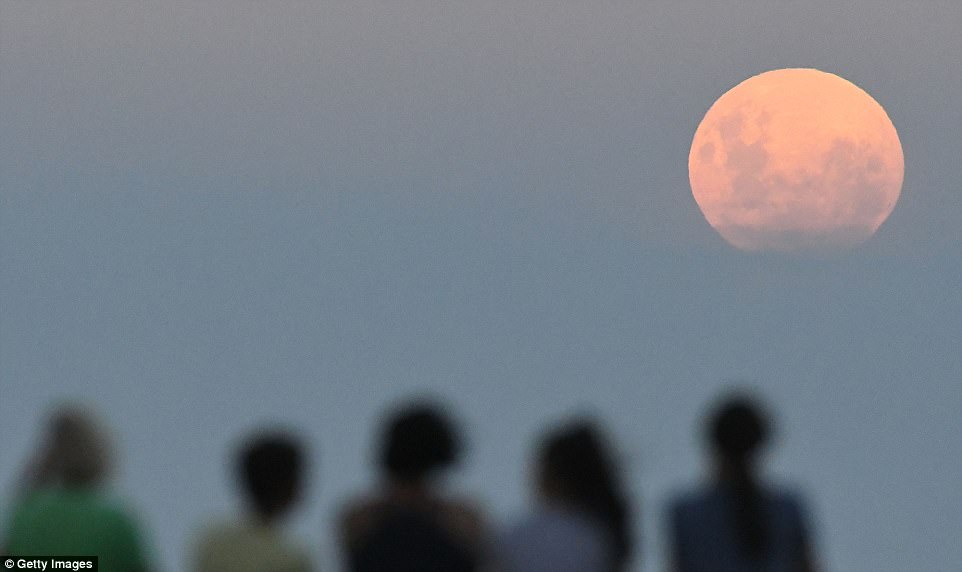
269, 470
409, 525
63, 508
735, 523
583, 521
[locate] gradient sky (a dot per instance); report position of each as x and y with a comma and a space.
216, 214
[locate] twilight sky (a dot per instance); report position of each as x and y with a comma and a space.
218, 214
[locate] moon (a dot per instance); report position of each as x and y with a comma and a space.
796, 160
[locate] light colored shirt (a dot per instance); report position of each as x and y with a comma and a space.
76, 522
555, 539
704, 538
248, 547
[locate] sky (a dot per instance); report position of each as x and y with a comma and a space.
218, 215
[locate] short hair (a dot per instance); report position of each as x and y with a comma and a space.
418, 440
269, 468
739, 427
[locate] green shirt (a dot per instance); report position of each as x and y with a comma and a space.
76, 523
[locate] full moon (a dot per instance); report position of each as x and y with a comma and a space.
796, 160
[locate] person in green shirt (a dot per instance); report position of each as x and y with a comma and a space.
63, 509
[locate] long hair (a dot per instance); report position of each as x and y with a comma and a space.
577, 465
737, 431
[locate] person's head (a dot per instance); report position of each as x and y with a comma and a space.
418, 442
78, 450
270, 470
737, 431
576, 468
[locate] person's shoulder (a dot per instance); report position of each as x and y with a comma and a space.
522, 525
213, 535
465, 518
97, 506
18, 536
362, 504
562, 526
361, 507
689, 499
523, 531
293, 553
23, 505
463, 510
241, 531
114, 506
218, 528
40, 499
554, 538
359, 515
223, 543
117, 512
785, 496
788, 502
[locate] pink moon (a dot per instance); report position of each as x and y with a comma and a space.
796, 160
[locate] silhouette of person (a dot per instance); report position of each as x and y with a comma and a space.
63, 508
410, 525
583, 519
269, 469
736, 523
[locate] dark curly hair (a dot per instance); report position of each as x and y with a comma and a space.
417, 441
269, 468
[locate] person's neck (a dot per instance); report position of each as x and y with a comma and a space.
409, 491
266, 519
731, 472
